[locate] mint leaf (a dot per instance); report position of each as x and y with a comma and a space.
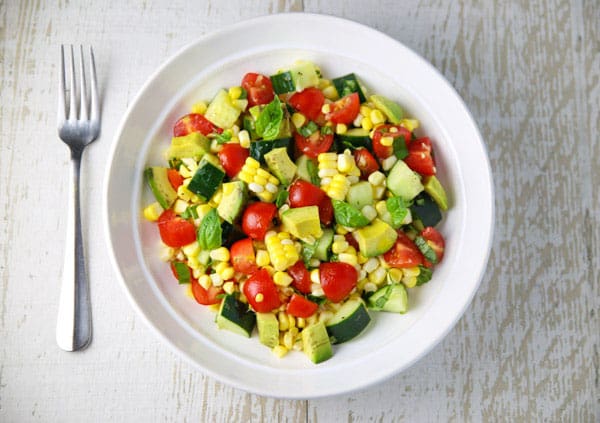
269, 120
425, 249
398, 209
348, 215
223, 138
313, 172
400, 149
209, 232
182, 271
281, 198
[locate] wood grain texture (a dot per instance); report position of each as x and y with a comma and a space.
526, 350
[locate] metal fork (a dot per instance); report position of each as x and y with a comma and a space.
77, 128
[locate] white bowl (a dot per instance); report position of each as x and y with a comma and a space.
392, 342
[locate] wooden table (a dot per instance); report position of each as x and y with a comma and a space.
526, 350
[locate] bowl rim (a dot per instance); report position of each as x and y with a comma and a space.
320, 19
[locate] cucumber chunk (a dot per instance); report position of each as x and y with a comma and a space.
403, 182
162, 189
392, 298
235, 316
349, 321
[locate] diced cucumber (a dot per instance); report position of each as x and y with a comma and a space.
307, 170
403, 182
162, 189
323, 245
426, 210
304, 74
282, 83
258, 149
353, 138
360, 194
349, 84
222, 111
207, 179
350, 320
235, 316
392, 298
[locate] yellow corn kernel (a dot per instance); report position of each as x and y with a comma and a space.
194, 263
166, 253
288, 340
361, 258
191, 250
300, 322
325, 157
260, 180
252, 163
292, 322
376, 117
205, 281
214, 307
345, 163
229, 287
369, 212
282, 279
199, 107
395, 275
330, 93
262, 258
244, 138
227, 273
339, 246
312, 319
279, 351
409, 281
326, 108
410, 124
220, 254
235, 93
245, 176
220, 266
376, 178
369, 287
259, 298
348, 258
365, 110
341, 128
387, 141
298, 119
184, 193
153, 211
378, 276
366, 123
315, 276
284, 322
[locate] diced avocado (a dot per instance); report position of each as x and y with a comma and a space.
281, 165
434, 188
193, 145
268, 329
390, 109
232, 202
161, 187
403, 182
207, 178
315, 343
323, 245
307, 169
235, 316
360, 195
304, 74
222, 111
303, 222
376, 238
392, 298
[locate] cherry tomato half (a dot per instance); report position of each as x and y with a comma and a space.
232, 157
404, 253
259, 89
194, 122
175, 178
261, 292
243, 258
337, 280
313, 145
420, 157
435, 241
365, 162
175, 231
206, 296
326, 211
308, 102
394, 131
303, 193
301, 307
258, 219
300, 276
345, 109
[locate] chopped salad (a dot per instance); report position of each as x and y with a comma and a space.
294, 206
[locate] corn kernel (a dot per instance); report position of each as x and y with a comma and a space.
153, 211
365, 110
371, 265
376, 178
300, 322
345, 162
325, 316
282, 279
199, 107
229, 287
191, 250
227, 273
326, 108
395, 275
376, 117
254, 187
314, 276
298, 119
361, 258
357, 120
341, 128
387, 141
314, 263
378, 276
244, 138
369, 212
279, 351
235, 93
284, 322
327, 157
292, 322
370, 287
316, 290
366, 123
288, 340
205, 281
339, 229
252, 163
389, 162
348, 258
330, 93
410, 124
262, 258
166, 253
259, 298
339, 246
378, 192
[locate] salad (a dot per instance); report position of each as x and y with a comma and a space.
297, 206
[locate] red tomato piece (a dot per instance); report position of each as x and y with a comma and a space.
303, 193
194, 122
260, 284
175, 178
435, 241
243, 258
308, 102
175, 231
420, 157
365, 162
404, 253
313, 145
206, 296
259, 89
258, 218
326, 211
351, 241
300, 276
337, 280
301, 307
382, 151
345, 109
232, 157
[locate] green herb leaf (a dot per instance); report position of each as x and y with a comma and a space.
313, 172
398, 209
425, 249
308, 251
400, 150
209, 232
223, 138
281, 198
182, 271
424, 275
269, 120
326, 130
308, 129
348, 215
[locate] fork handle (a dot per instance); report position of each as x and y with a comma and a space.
74, 325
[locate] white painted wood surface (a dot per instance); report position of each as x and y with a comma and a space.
527, 348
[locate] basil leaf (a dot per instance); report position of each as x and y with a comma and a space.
182, 271
223, 138
398, 210
424, 275
209, 232
425, 249
269, 120
348, 215
313, 172
400, 150
281, 198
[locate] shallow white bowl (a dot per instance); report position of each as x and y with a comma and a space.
392, 342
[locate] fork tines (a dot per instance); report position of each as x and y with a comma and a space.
78, 111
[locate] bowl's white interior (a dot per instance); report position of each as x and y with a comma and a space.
392, 341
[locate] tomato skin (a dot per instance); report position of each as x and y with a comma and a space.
194, 122
435, 241
232, 157
206, 296
365, 162
258, 218
260, 282
259, 89
301, 307
404, 253
314, 145
345, 109
303, 193
243, 258
351, 241
382, 151
175, 178
301, 277
175, 231
308, 102
326, 211
420, 157
337, 280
